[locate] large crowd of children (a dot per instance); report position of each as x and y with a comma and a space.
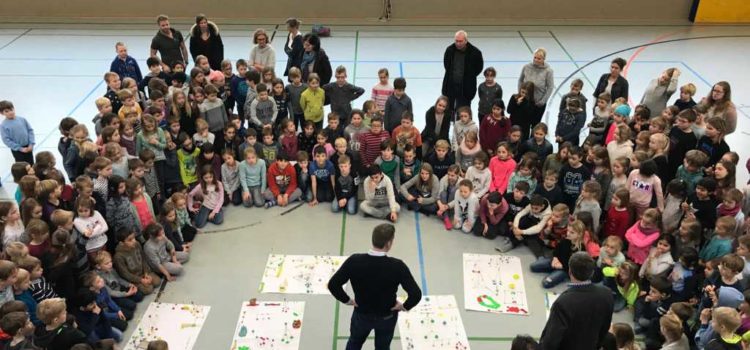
650, 194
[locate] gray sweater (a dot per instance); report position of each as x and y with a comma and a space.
116, 285
230, 177
657, 96
429, 193
383, 195
263, 112
543, 79
265, 56
293, 93
158, 251
394, 108
214, 114
593, 208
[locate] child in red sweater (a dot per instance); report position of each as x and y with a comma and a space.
494, 128
619, 215
282, 183
501, 166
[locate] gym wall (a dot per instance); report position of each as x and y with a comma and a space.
426, 12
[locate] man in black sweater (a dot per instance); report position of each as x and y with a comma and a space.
375, 278
580, 317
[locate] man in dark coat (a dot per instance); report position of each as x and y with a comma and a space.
463, 62
580, 317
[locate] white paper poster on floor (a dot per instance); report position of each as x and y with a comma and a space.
269, 325
299, 274
494, 283
177, 324
434, 323
549, 299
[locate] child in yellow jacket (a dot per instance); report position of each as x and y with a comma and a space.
312, 101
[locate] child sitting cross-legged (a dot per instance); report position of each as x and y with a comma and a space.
123, 293
623, 279
421, 192
556, 267
90, 319
529, 223
652, 305
161, 254
131, 264
116, 315
492, 210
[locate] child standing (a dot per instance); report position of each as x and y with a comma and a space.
141, 206
713, 144
382, 90
263, 110
538, 143
572, 176
353, 131
619, 117
550, 189
494, 127
642, 235
619, 215
441, 158
288, 139
588, 202
522, 109
463, 126
622, 146
281, 98
371, 141
489, 91
600, 123
212, 110
681, 139
312, 101
17, 134
396, 105
501, 166
570, 122
151, 137
691, 170
721, 243
294, 95
11, 225
341, 93
645, 188
686, 102
659, 261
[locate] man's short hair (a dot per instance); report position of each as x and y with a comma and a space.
581, 266
382, 234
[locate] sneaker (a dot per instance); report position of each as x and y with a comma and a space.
448, 223
270, 204
504, 246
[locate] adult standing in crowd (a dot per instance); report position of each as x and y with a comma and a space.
125, 65
375, 278
613, 82
581, 316
463, 62
293, 47
170, 45
205, 40
659, 91
262, 54
541, 74
315, 60
719, 104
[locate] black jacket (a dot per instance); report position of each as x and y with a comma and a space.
294, 54
61, 338
619, 88
213, 48
473, 65
321, 66
428, 133
579, 319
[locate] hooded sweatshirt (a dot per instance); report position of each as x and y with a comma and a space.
281, 181
60, 338
569, 125
543, 79
263, 112
263, 55
534, 223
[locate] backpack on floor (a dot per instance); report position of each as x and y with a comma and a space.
321, 31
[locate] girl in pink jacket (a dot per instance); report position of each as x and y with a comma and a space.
501, 166
642, 235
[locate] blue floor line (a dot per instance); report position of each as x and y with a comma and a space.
401, 68
421, 254
80, 103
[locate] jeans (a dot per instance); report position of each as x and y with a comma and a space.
202, 217
234, 197
256, 197
128, 304
351, 205
427, 209
554, 277
363, 324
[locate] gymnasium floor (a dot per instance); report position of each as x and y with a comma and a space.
50, 71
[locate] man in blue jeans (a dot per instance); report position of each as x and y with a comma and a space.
375, 278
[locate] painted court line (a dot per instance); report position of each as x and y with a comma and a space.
570, 56
420, 253
336, 302
14, 39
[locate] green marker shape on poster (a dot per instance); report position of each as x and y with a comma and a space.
488, 302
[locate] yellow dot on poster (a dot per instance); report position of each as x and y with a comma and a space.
512, 286
515, 276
